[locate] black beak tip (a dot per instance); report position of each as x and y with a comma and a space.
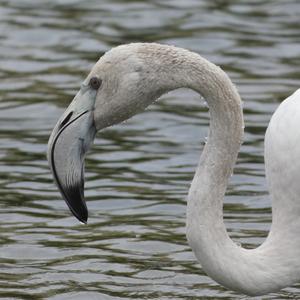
75, 200
81, 217
80, 213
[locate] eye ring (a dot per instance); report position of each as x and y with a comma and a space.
95, 83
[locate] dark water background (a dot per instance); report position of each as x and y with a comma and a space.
138, 173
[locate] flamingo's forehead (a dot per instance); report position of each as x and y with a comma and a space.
123, 58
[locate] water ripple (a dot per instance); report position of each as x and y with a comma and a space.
138, 173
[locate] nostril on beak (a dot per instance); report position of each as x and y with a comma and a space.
66, 120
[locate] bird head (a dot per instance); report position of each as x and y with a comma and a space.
120, 84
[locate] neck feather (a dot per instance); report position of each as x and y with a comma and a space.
252, 272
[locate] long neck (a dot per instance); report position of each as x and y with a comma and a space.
252, 272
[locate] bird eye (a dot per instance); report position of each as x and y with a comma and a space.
95, 83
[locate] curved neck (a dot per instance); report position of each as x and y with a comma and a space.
252, 272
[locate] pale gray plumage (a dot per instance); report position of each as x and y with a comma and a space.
135, 75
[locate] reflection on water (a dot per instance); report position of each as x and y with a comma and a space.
138, 173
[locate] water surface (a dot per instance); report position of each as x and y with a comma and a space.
138, 173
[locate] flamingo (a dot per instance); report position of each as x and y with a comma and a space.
123, 83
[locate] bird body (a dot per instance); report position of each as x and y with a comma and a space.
130, 77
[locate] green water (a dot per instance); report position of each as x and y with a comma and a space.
138, 173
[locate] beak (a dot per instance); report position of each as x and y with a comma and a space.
70, 140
